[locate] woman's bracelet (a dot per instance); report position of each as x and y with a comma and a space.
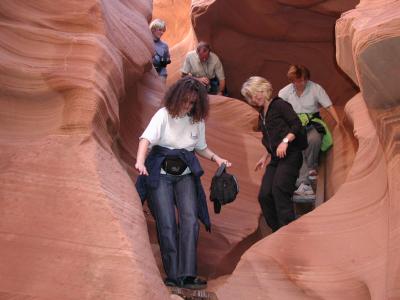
212, 157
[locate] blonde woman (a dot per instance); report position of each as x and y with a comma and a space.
284, 141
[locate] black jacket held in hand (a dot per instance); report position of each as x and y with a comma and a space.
280, 120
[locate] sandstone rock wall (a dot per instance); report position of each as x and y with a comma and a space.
77, 86
348, 246
77, 89
373, 33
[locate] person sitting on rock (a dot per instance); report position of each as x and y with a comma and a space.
205, 66
305, 96
161, 57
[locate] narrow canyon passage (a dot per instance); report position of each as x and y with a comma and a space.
77, 88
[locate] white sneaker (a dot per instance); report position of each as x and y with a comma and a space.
304, 190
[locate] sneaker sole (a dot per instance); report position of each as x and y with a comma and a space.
193, 294
304, 199
304, 194
194, 286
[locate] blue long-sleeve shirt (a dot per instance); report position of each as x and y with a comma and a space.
161, 53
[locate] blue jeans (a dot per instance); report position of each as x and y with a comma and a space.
178, 242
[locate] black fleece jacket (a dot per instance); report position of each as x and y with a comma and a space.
280, 120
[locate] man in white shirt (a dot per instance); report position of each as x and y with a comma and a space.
206, 67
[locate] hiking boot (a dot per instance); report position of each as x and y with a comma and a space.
170, 282
313, 174
193, 283
304, 190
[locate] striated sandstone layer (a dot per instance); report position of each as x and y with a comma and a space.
77, 85
348, 247
78, 88
328, 253
373, 32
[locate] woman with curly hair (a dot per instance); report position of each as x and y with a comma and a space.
170, 177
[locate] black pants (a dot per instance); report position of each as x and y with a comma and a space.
277, 187
213, 87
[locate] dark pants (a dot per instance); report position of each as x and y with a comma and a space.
178, 242
277, 187
213, 87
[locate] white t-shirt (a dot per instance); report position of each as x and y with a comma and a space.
175, 133
313, 96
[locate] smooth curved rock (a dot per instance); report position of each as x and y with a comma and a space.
73, 76
370, 56
328, 252
78, 88
348, 246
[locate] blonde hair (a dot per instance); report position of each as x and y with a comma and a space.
256, 84
157, 24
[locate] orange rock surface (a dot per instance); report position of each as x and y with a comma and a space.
348, 247
78, 88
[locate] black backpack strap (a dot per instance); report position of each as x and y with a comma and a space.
220, 170
217, 207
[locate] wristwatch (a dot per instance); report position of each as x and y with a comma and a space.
285, 140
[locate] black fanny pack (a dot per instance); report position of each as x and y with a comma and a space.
174, 165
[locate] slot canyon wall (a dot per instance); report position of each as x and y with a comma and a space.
348, 247
77, 89
77, 86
